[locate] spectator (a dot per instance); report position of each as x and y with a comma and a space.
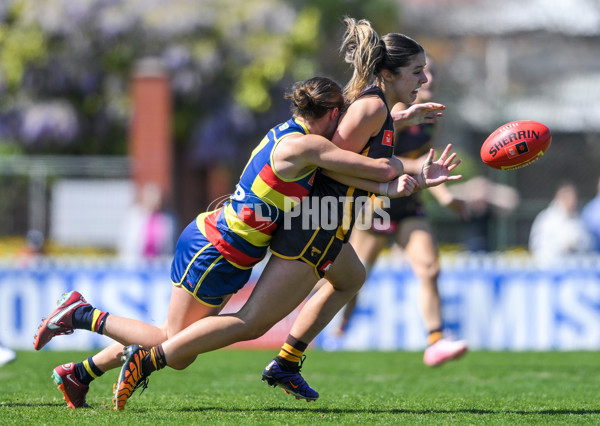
591, 217
34, 248
35, 243
148, 232
487, 201
558, 230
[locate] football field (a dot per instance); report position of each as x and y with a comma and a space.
224, 387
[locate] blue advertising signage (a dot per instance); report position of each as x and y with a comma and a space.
492, 305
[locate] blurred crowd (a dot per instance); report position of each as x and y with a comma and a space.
564, 229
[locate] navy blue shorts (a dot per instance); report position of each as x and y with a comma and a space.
400, 209
202, 271
320, 251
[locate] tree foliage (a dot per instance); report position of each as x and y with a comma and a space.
65, 65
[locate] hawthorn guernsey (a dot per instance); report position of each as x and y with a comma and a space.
516, 144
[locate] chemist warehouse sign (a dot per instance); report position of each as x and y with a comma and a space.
493, 307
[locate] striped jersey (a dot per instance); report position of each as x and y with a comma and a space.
242, 228
379, 146
337, 206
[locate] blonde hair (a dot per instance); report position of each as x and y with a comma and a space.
369, 54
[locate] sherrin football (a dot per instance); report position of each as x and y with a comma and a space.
515, 144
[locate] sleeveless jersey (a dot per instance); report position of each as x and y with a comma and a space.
412, 142
379, 146
242, 228
334, 201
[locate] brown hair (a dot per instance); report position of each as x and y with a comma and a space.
369, 54
312, 98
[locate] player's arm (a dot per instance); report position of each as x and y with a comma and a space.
416, 114
447, 199
433, 173
300, 154
412, 166
320, 152
401, 186
362, 120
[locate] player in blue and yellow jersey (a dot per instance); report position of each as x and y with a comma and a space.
240, 231
216, 251
397, 64
215, 254
410, 229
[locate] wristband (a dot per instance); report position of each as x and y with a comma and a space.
383, 188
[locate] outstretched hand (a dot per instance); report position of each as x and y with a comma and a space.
437, 172
418, 114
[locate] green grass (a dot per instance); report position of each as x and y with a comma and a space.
224, 387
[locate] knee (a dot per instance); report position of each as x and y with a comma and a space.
250, 325
155, 339
165, 335
254, 330
181, 364
351, 281
429, 271
255, 333
358, 277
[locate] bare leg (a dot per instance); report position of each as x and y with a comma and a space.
343, 280
416, 236
422, 252
184, 310
127, 330
283, 285
109, 357
367, 246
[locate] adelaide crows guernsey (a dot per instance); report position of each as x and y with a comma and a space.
318, 242
242, 228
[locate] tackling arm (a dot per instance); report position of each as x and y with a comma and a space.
316, 151
401, 186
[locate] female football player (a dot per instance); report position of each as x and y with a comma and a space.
412, 231
217, 250
303, 255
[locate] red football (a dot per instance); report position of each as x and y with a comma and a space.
515, 144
